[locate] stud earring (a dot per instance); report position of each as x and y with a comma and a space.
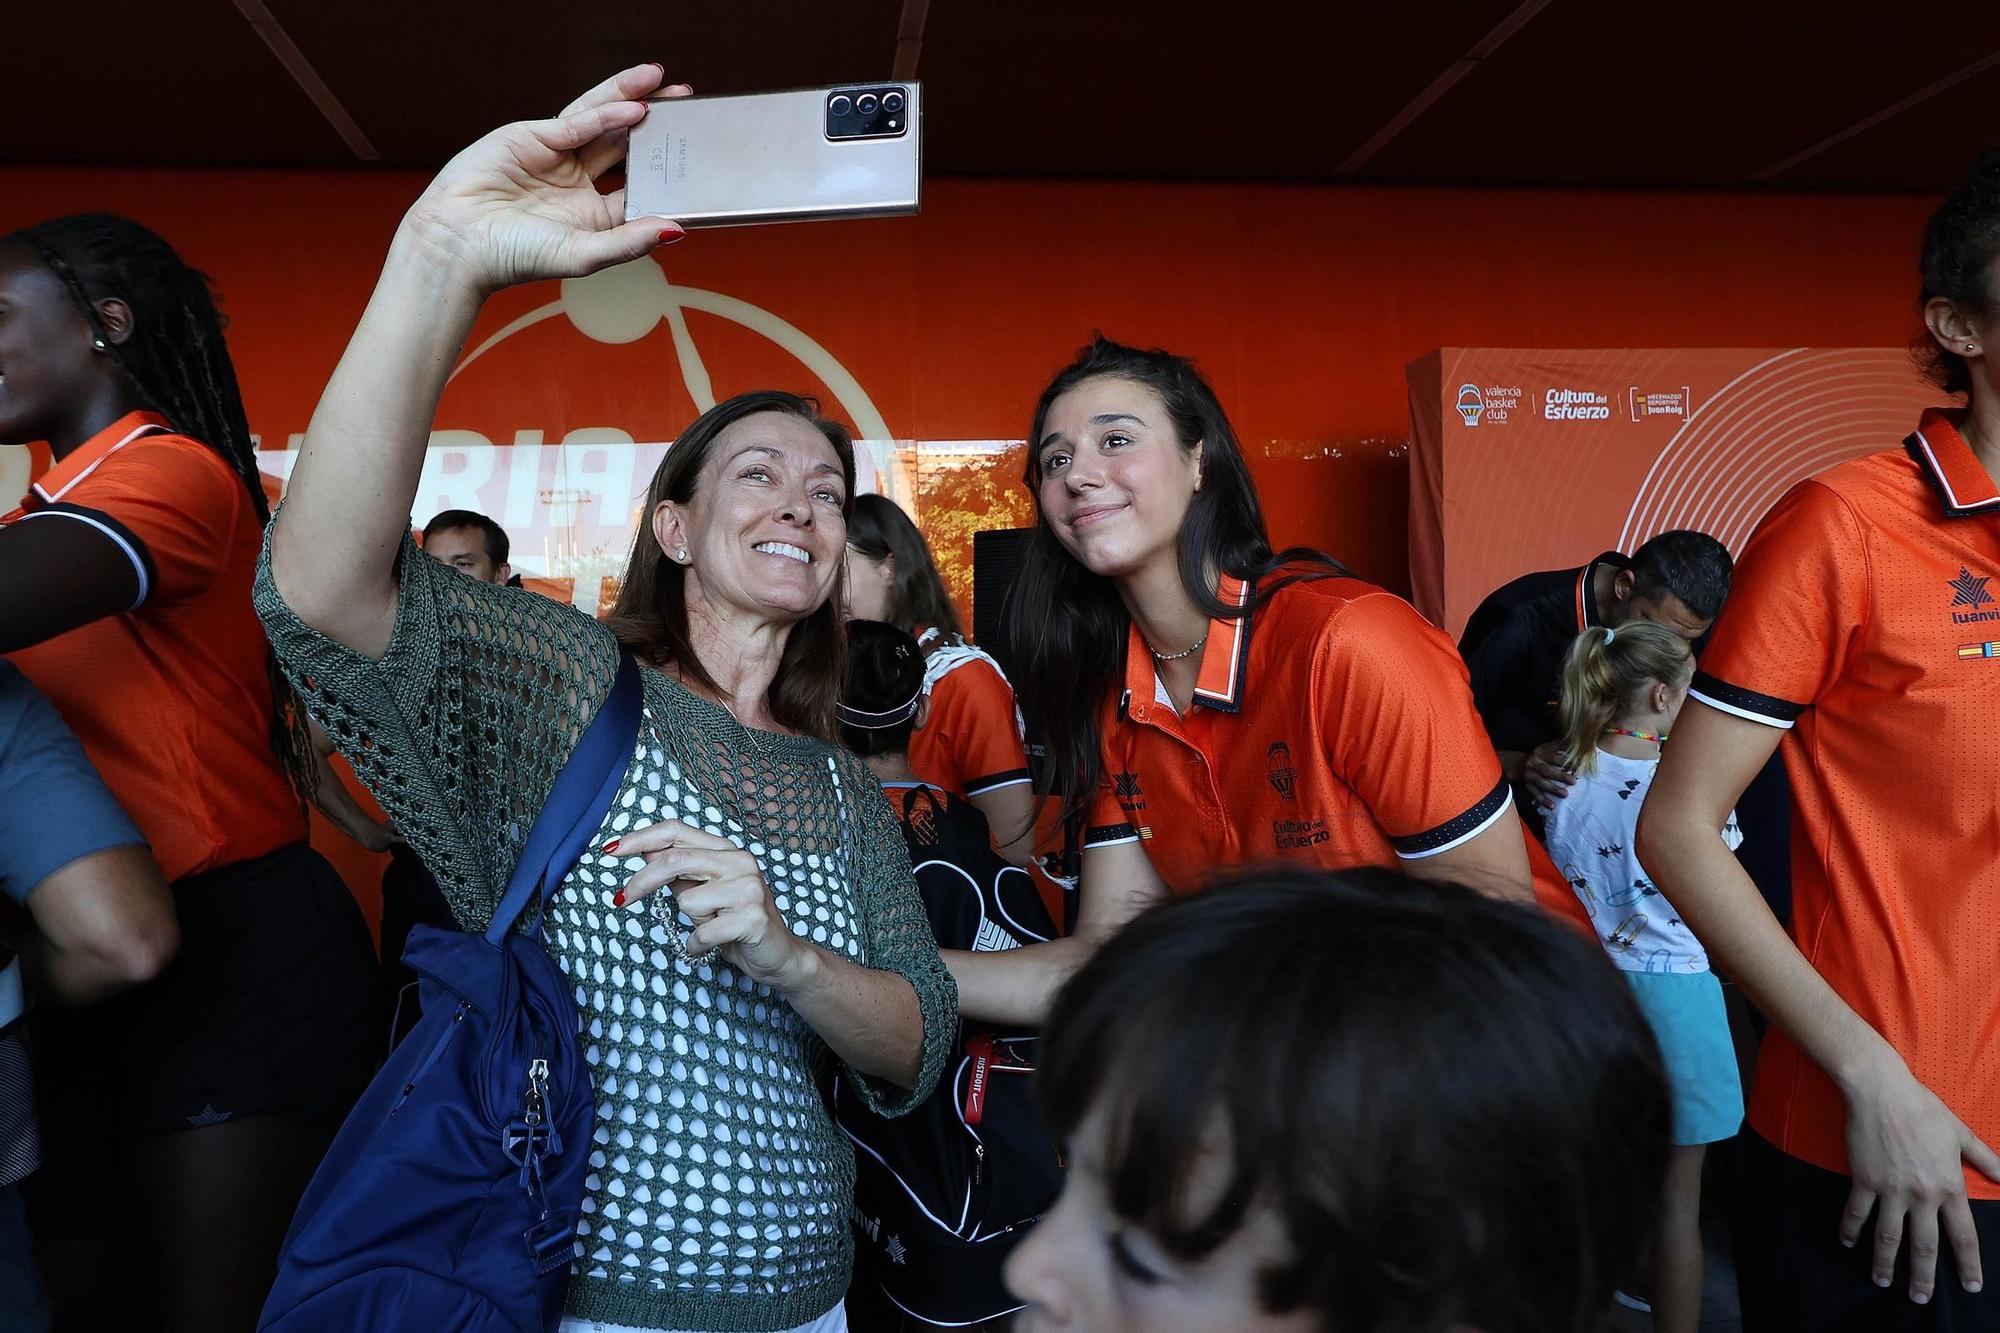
681, 555
97, 344
1971, 347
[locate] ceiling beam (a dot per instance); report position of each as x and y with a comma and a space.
910, 38
294, 60
1441, 85
1917, 98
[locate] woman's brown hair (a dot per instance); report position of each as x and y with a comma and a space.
650, 616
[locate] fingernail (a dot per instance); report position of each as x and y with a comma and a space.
658, 66
669, 237
1883, 1281
611, 846
1974, 1287
618, 898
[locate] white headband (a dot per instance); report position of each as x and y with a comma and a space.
866, 721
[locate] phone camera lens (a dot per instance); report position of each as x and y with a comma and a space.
892, 102
867, 104
840, 105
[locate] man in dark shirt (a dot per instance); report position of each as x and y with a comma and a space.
1515, 642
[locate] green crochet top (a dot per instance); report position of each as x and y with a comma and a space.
720, 1188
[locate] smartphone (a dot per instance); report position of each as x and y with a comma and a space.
855, 151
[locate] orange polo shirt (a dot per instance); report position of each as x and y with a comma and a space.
1332, 725
970, 743
169, 698
1861, 621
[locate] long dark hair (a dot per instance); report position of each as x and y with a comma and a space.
880, 529
1068, 627
1453, 1103
178, 362
650, 616
1961, 241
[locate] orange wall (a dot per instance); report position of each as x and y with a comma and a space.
1304, 305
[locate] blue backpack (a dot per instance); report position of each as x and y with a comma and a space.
449, 1201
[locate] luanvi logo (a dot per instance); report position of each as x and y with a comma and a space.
1969, 590
1125, 786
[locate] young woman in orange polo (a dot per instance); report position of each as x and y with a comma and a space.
1862, 634
189, 1114
972, 745
1207, 701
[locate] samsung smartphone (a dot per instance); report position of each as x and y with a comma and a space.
855, 151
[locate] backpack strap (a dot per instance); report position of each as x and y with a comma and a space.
577, 803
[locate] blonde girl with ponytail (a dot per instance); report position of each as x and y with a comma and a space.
1622, 688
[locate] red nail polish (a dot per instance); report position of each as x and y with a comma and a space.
618, 898
669, 237
611, 846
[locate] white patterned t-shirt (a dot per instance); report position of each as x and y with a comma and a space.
1590, 838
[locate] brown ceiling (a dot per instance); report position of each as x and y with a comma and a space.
1837, 94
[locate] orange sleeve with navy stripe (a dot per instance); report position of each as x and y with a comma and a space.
173, 504
970, 743
1400, 728
1796, 601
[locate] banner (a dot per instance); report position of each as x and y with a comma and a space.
1531, 460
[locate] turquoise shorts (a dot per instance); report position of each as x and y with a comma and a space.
1687, 1018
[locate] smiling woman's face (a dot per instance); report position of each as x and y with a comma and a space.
1116, 481
1084, 1267
764, 531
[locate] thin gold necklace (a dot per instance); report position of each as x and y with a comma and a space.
1188, 651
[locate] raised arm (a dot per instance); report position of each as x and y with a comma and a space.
519, 205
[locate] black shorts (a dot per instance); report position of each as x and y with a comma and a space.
270, 1008
1795, 1276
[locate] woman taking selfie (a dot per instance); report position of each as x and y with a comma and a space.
189, 1113
790, 927
971, 745
1206, 701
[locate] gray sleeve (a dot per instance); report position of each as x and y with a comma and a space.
460, 728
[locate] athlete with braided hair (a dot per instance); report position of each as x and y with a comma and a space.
185, 1118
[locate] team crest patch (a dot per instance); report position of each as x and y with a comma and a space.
1284, 778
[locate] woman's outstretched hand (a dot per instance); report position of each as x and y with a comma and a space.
522, 203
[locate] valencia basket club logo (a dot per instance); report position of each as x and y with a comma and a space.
1471, 403
1284, 778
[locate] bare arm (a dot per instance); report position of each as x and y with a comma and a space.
1495, 861
103, 922
518, 205
57, 573
869, 1018
1010, 814
1904, 1145
1018, 985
